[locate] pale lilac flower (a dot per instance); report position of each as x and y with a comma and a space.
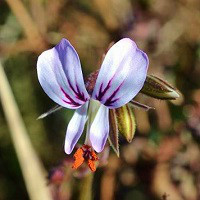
121, 77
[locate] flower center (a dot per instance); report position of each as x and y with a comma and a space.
85, 153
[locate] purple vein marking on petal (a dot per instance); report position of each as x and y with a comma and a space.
71, 101
79, 95
102, 93
72, 105
110, 100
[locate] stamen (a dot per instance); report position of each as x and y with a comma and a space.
78, 158
91, 165
85, 153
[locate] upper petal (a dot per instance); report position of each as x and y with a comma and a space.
99, 129
60, 75
122, 74
75, 128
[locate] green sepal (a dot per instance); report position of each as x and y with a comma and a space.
114, 132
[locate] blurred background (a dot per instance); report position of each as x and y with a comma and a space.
163, 161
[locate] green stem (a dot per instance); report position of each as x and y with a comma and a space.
85, 186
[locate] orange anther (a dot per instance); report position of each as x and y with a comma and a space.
94, 156
85, 153
91, 165
78, 158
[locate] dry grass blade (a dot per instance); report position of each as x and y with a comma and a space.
38, 13
31, 167
28, 25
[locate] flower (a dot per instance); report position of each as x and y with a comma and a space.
120, 78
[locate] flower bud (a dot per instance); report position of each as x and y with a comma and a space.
159, 89
126, 122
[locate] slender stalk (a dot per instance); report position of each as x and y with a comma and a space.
31, 166
86, 187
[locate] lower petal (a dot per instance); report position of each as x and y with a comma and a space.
99, 129
75, 128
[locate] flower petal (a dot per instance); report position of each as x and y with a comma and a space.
122, 74
99, 129
75, 128
60, 75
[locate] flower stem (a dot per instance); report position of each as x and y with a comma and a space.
85, 185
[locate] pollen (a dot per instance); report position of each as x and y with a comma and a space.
85, 153
78, 158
